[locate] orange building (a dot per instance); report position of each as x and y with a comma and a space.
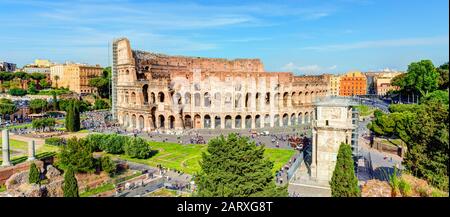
352, 84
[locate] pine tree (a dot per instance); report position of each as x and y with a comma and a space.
55, 101
344, 182
34, 174
76, 116
236, 167
70, 187
69, 116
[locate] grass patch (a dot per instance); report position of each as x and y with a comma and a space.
21, 159
164, 192
365, 110
98, 190
20, 126
186, 157
16, 144
2, 188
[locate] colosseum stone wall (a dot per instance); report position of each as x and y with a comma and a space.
157, 91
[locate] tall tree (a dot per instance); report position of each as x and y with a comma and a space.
77, 155
7, 107
443, 76
70, 187
422, 77
236, 167
344, 182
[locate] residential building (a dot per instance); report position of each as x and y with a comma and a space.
335, 83
383, 82
353, 84
7, 67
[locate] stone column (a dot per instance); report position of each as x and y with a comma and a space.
31, 150
314, 153
5, 148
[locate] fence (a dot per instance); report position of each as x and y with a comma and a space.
295, 165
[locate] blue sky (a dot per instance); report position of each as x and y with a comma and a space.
303, 36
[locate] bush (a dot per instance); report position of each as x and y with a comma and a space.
41, 123
77, 155
17, 92
94, 141
108, 165
70, 187
114, 144
137, 147
55, 141
101, 104
34, 174
405, 188
344, 182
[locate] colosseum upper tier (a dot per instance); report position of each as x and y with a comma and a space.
156, 91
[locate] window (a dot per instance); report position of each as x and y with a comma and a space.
326, 123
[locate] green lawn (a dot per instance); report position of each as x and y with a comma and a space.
365, 110
186, 157
98, 190
16, 144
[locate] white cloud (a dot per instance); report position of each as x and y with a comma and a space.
382, 43
307, 69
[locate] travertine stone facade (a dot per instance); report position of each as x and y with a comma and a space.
156, 91
332, 126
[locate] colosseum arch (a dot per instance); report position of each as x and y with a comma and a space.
187, 98
285, 99
258, 121
127, 97
267, 120
238, 100
267, 98
207, 122
217, 100
187, 122
247, 103
133, 98
248, 121
228, 122
207, 100
306, 98
217, 122
285, 120
276, 120
161, 120
171, 122
197, 99
293, 120
145, 93
125, 120
228, 103
306, 118
294, 98
141, 122
161, 97
133, 121
277, 100
258, 101
197, 121
238, 122
300, 98
300, 119
152, 98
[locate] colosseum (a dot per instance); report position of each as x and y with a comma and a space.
159, 92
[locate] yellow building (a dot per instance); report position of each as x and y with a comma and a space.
383, 82
42, 63
75, 77
334, 85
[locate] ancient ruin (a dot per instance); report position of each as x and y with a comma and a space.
156, 91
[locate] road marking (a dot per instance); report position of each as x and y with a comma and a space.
311, 186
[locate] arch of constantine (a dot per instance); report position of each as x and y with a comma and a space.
156, 91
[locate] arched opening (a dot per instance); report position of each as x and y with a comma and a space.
306, 117
197, 122
133, 98
207, 122
306, 98
300, 98
161, 120
267, 98
276, 120
300, 118
294, 98
217, 100
258, 121
141, 123
207, 100
127, 97
237, 101
145, 93
228, 122
277, 100
177, 99
187, 122
267, 121
171, 122
285, 99
248, 121
217, 122
197, 99
125, 120
187, 98
161, 97
228, 100
258, 99
153, 117
133, 121
285, 120
152, 97
293, 121
238, 122
247, 100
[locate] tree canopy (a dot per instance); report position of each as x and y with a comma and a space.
344, 182
236, 167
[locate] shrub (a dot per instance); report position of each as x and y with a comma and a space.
114, 144
17, 92
77, 155
55, 141
137, 147
94, 141
108, 165
34, 174
344, 182
404, 187
70, 187
41, 123
394, 181
101, 104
